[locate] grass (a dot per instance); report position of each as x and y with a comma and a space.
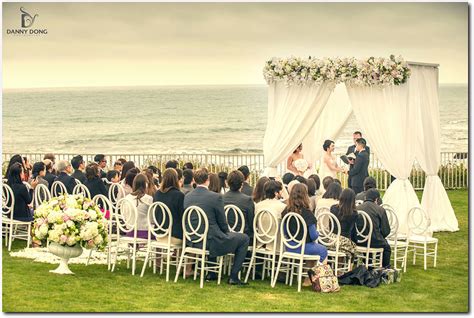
29, 287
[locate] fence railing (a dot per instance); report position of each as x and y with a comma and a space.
453, 169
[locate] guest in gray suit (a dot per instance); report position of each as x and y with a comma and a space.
244, 202
246, 188
220, 241
187, 181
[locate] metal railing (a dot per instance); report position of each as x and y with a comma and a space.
453, 169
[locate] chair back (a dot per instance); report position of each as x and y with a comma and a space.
418, 221
41, 194
8, 201
359, 202
160, 221
392, 220
195, 226
126, 216
265, 227
28, 186
77, 181
364, 232
236, 216
320, 210
114, 191
287, 236
104, 204
81, 189
329, 229
58, 188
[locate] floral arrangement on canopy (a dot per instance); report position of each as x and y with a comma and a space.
69, 220
367, 72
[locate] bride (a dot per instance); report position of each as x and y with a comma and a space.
329, 165
296, 163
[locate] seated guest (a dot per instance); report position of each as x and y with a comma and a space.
326, 182
187, 181
113, 176
94, 183
330, 197
38, 174
258, 193
78, 164
14, 159
122, 160
246, 189
188, 165
220, 240
180, 177
312, 194
151, 190
156, 175
21, 209
142, 201
125, 167
234, 196
102, 162
338, 181
287, 178
302, 180
272, 204
346, 213
169, 194
316, 179
214, 183
118, 166
172, 164
299, 203
127, 183
64, 169
49, 176
28, 167
381, 226
369, 183
291, 185
222, 182
50, 156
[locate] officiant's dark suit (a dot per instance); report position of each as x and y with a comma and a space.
220, 241
351, 149
359, 171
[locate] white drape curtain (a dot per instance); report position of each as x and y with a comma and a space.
423, 97
329, 125
383, 115
292, 112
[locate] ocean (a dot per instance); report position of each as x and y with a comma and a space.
171, 119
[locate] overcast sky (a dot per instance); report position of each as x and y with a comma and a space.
115, 44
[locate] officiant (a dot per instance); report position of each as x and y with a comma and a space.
352, 149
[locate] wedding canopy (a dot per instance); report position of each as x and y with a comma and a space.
396, 105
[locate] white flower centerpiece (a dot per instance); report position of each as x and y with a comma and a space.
69, 223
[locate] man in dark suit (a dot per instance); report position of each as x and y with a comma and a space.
102, 162
352, 149
187, 181
359, 171
369, 183
246, 188
220, 241
64, 169
381, 226
244, 202
78, 164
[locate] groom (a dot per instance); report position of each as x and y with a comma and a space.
360, 169
351, 149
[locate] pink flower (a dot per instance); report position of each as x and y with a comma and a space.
39, 222
66, 218
63, 238
90, 243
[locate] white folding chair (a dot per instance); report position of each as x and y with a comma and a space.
126, 217
399, 246
236, 221
13, 228
372, 256
58, 188
40, 195
104, 203
116, 191
419, 237
264, 247
159, 237
81, 189
77, 181
195, 228
330, 236
293, 259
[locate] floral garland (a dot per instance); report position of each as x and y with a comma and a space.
372, 71
70, 220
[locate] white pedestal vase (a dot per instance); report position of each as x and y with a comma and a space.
65, 253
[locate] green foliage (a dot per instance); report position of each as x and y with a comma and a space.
29, 287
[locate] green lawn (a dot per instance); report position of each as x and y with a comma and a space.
29, 287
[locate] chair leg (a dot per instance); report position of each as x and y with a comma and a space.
273, 283
414, 254
134, 260
203, 265
146, 261
181, 259
219, 275
89, 257
300, 275
406, 260
252, 259
168, 261
10, 238
424, 256
29, 236
435, 253
161, 263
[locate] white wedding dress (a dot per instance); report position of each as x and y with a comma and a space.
324, 170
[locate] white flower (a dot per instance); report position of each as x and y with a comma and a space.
301, 165
71, 240
98, 239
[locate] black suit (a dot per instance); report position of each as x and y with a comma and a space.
79, 175
360, 171
246, 205
351, 149
96, 186
247, 189
21, 211
381, 228
220, 241
67, 180
50, 178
